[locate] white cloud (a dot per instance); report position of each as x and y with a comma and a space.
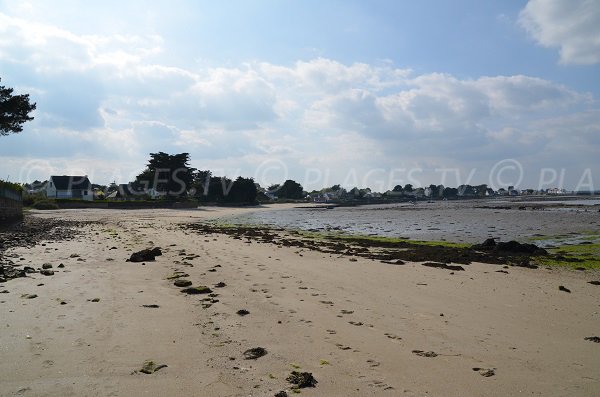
113, 97
571, 25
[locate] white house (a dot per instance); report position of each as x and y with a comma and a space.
69, 187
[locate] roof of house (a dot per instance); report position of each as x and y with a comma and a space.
127, 189
71, 182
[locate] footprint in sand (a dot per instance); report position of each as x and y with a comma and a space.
381, 384
422, 353
392, 336
373, 363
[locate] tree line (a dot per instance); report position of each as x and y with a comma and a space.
172, 177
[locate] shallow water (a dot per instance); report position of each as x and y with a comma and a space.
450, 221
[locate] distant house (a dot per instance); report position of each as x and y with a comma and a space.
271, 195
126, 191
69, 187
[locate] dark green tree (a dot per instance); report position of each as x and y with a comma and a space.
435, 191
218, 189
466, 190
481, 190
291, 190
450, 192
243, 190
168, 174
14, 111
201, 183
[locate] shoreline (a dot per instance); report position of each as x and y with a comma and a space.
353, 322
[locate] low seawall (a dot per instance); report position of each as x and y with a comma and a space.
11, 209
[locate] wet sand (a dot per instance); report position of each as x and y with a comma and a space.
469, 221
354, 323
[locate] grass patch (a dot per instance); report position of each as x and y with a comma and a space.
574, 251
377, 239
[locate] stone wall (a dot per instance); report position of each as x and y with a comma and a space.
10, 210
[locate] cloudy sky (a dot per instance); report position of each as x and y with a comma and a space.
362, 93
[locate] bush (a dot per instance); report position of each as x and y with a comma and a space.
45, 205
12, 186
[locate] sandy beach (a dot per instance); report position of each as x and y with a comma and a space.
356, 324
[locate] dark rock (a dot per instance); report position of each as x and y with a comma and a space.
151, 306
281, 393
150, 367
47, 272
182, 283
564, 289
594, 282
302, 379
243, 312
61, 266
485, 372
47, 266
254, 353
197, 290
489, 243
519, 248
220, 285
148, 254
28, 269
595, 339
509, 247
422, 353
443, 266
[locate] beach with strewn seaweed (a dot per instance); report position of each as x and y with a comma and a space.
204, 302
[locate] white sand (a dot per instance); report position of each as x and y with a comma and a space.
519, 323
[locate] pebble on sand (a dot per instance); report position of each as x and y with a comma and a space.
197, 290
254, 353
485, 372
182, 283
302, 379
150, 367
422, 353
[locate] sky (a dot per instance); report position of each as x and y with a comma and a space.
358, 93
